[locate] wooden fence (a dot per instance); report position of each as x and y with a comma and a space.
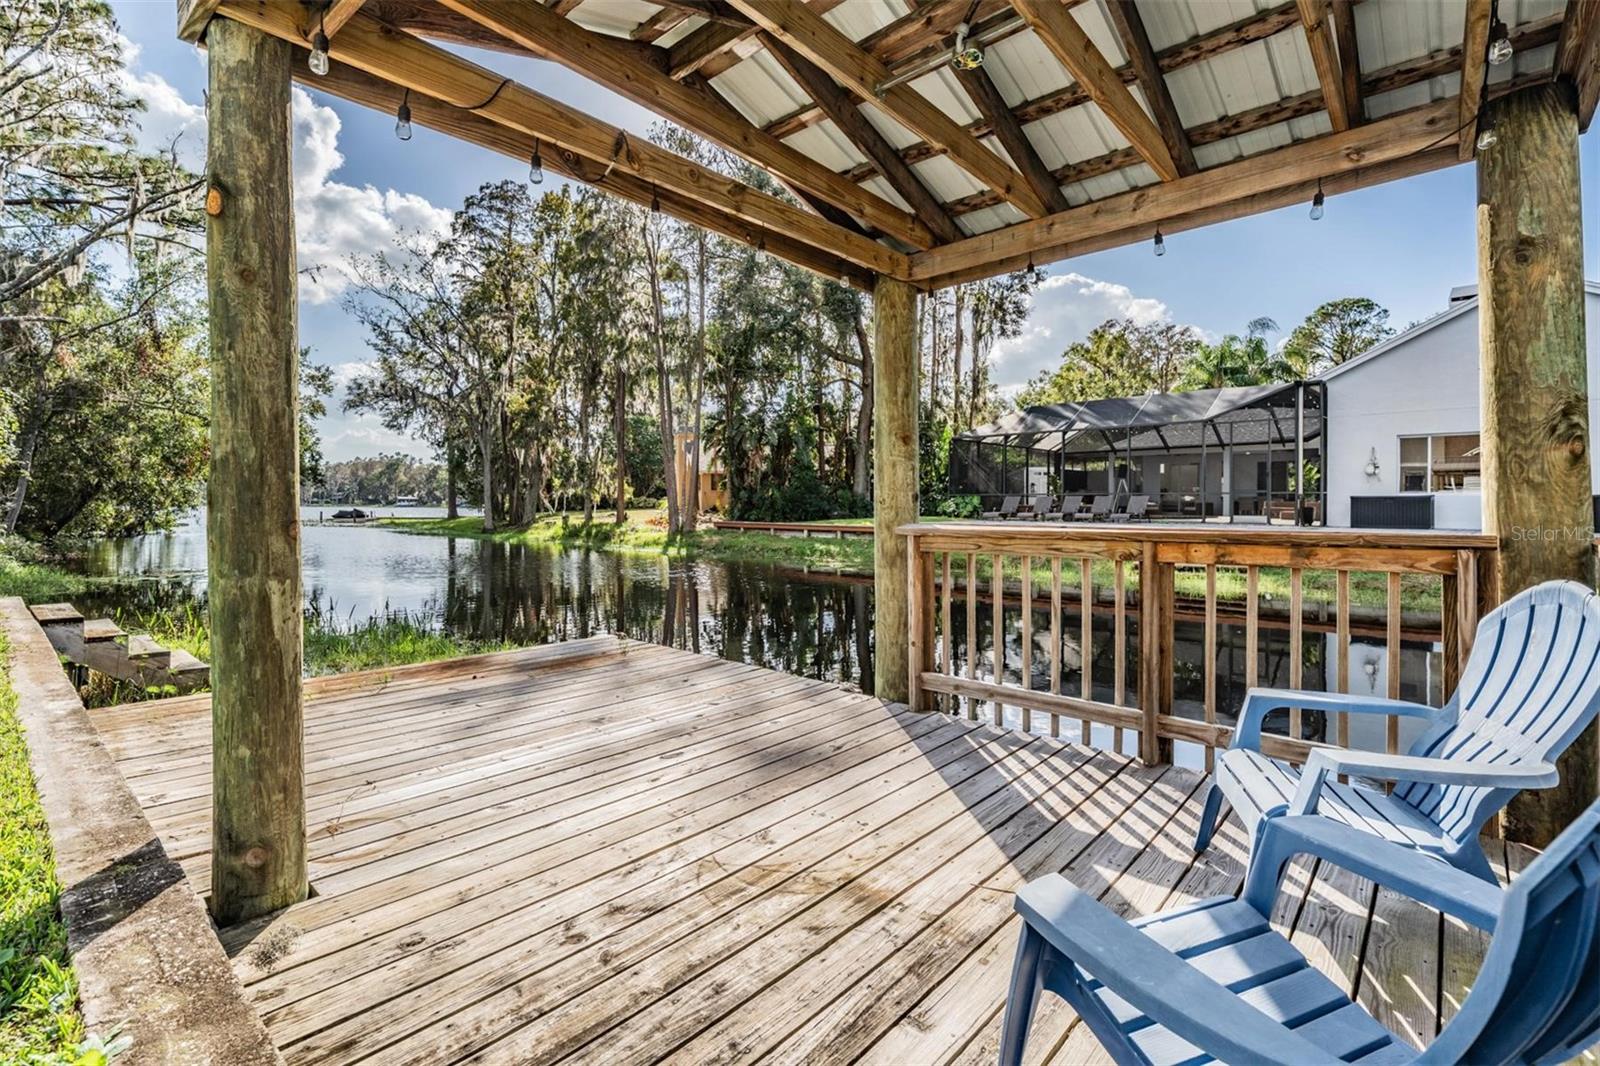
1025, 577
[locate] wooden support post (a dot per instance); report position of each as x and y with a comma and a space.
258, 861
1536, 491
894, 476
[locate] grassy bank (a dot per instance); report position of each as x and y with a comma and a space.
39, 1021
38, 582
640, 533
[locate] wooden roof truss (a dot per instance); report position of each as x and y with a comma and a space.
884, 214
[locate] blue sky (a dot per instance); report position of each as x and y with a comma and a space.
1404, 244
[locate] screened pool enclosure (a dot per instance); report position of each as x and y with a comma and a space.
1251, 453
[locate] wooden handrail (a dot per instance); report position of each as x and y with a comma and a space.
948, 561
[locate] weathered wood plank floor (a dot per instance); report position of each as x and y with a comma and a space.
617, 853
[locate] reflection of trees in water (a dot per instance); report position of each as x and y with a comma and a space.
796, 623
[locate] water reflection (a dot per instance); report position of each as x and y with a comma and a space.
816, 625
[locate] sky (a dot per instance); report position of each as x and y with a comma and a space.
357, 188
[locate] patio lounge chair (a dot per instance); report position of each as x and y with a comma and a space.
1100, 508
1137, 510
1070, 505
1041, 506
1530, 687
1213, 981
1008, 508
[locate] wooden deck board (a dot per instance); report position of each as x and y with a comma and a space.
620, 853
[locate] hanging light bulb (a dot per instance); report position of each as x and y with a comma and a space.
402, 117
535, 166
1500, 48
1317, 202
318, 62
963, 56
1161, 245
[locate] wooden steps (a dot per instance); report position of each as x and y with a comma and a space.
101, 645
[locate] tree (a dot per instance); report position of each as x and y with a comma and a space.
316, 385
1117, 358
1232, 361
1334, 333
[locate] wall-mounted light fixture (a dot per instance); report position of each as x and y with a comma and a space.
1372, 464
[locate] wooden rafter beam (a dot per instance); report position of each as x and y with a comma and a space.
1318, 23
1293, 167
338, 13
410, 63
810, 35
1129, 24
1578, 56
1474, 65
632, 71
1344, 34
659, 25
980, 88
1059, 31
841, 108
693, 52
349, 83
193, 16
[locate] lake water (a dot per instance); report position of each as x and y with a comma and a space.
814, 624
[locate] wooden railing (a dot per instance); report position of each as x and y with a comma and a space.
1022, 580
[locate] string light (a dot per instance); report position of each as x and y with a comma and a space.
319, 49
1161, 245
1487, 138
965, 56
535, 166
1317, 202
402, 117
1500, 48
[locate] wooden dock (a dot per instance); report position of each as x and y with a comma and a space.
612, 852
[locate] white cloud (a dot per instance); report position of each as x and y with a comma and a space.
1063, 310
333, 220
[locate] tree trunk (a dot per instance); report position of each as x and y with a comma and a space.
1536, 489
894, 464
451, 508
861, 476
486, 457
955, 374
258, 862
30, 443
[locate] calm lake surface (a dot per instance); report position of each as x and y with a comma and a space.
814, 624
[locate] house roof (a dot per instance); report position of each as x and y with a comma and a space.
1463, 300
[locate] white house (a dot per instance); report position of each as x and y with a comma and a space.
1402, 422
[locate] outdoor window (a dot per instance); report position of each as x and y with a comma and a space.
1442, 463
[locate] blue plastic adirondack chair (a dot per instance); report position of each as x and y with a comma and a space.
1214, 982
1527, 691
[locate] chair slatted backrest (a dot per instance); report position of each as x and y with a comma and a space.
1070, 505
1537, 996
1530, 687
1041, 505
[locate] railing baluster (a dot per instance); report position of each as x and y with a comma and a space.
1027, 637
1209, 669
1341, 612
1120, 646
1297, 653
997, 588
1055, 638
1392, 644
947, 637
1085, 635
972, 630
1252, 626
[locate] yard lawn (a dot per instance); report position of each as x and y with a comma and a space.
642, 532
39, 1021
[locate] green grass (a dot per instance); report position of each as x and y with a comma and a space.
642, 533
39, 1020
37, 582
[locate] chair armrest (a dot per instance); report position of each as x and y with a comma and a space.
1325, 761
1155, 981
1259, 701
1407, 870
